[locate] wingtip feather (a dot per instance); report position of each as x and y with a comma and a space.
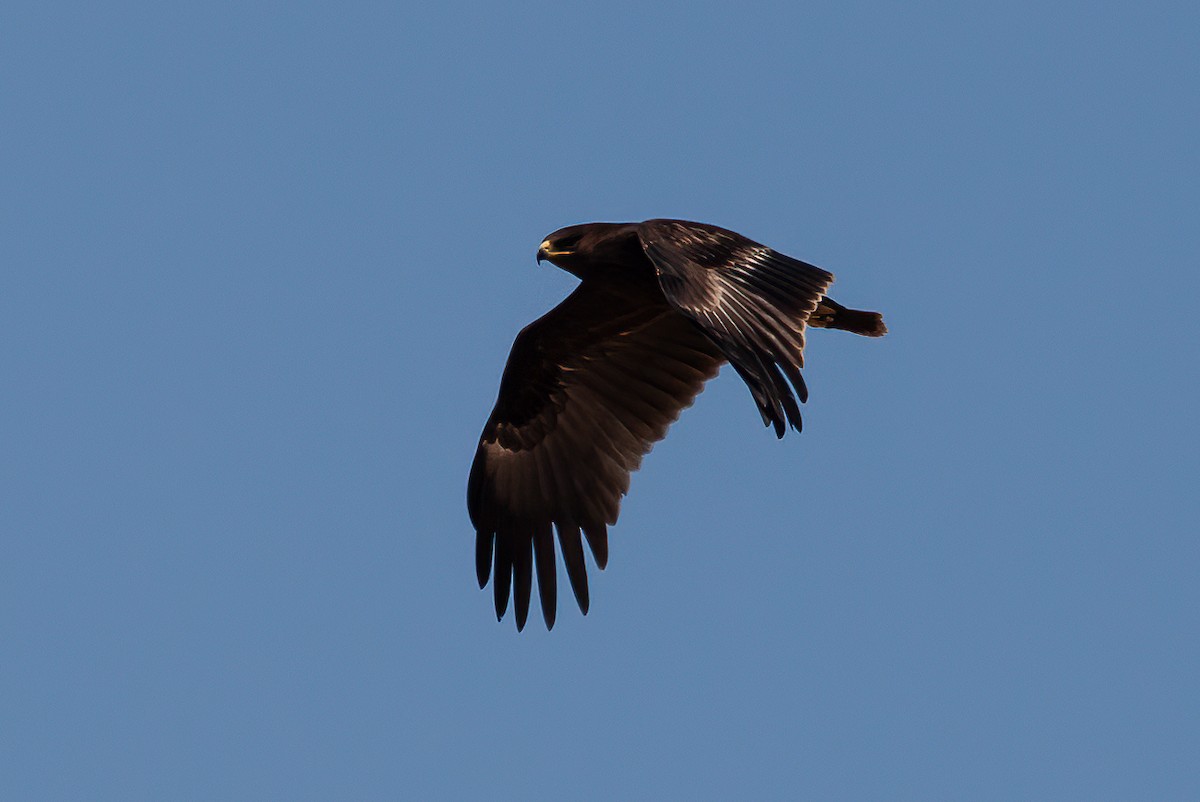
543, 553
483, 557
597, 538
572, 551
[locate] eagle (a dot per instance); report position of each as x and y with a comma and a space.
591, 386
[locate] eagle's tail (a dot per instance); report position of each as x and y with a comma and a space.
832, 315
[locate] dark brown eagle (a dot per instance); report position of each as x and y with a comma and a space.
593, 384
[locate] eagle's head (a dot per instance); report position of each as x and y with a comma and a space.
583, 249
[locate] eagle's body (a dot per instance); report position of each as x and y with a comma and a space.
593, 384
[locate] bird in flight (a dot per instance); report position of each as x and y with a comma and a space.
591, 386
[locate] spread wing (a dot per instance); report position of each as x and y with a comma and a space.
751, 300
588, 389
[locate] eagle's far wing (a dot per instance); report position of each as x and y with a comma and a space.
588, 389
751, 300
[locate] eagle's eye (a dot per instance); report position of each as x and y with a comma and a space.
567, 243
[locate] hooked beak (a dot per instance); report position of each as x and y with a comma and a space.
545, 252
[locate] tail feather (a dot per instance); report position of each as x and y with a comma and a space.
832, 315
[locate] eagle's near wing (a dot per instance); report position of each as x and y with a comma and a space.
588, 389
751, 300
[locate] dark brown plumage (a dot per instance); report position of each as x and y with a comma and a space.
593, 384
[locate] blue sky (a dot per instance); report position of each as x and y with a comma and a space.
262, 267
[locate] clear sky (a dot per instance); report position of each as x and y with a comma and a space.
261, 268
